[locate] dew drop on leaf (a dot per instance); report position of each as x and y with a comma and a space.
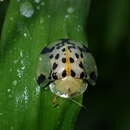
14, 82
41, 20
37, 1
70, 10
38, 7
8, 90
42, 3
1, 114
26, 9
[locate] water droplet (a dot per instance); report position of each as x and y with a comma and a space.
1, 114
10, 70
79, 28
1, 0
38, 7
15, 61
37, 1
25, 95
11, 128
40, 59
21, 53
19, 73
48, 16
10, 96
8, 90
37, 90
26, 9
66, 16
70, 10
41, 20
22, 62
43, 3
11, 18
25, 34
22, 68
14, 82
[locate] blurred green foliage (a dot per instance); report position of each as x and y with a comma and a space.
3, 7
108, 106
27, 28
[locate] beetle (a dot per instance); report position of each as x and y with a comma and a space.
67, 67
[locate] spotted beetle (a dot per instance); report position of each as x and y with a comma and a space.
67, 67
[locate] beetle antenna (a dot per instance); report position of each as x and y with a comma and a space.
79, 104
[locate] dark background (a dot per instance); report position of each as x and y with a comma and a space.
108, 103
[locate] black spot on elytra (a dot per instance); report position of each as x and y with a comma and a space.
93, 76
63, 49
58, 47
73, 73
86, 48
41, 79
54, 76
77, 55
63, 60
82, 75
86, 76
64, 73
70, 43
71, 60
54, 66
81, 49
45, 50
51, 56
81, 65
58, 44
52, 49
81, 55
50, 75
64, 40
57, 56
70, 47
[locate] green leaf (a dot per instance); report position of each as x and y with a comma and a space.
29, 26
